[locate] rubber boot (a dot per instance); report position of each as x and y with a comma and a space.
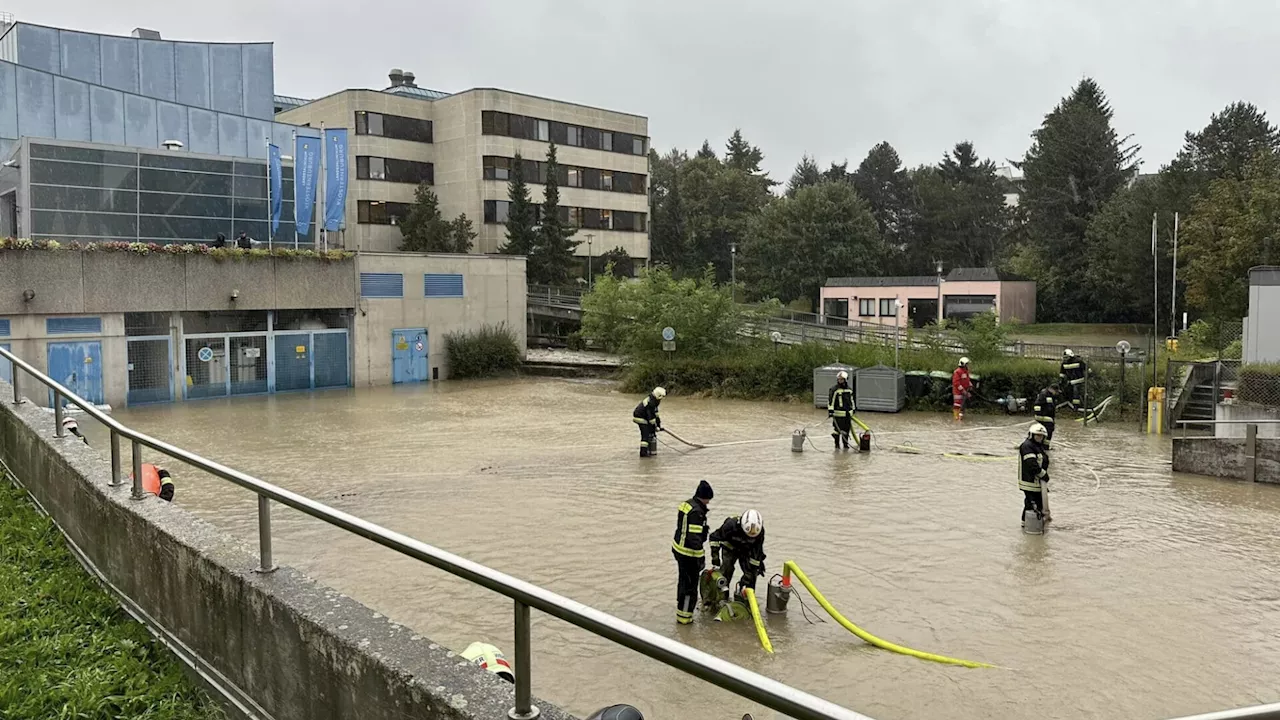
844, 437
836, 439
644, 450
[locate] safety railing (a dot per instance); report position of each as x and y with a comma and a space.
737, 680
1257, 712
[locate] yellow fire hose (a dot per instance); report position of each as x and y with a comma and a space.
755, 616
789, 568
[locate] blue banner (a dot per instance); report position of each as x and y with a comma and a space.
306, 171
335, 178
275, 180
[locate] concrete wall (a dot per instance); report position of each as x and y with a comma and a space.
299, 649
109, 282
1014, 300
1225, 458
495, 291
1245, 411
28, 339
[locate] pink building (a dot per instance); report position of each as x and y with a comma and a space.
923, 299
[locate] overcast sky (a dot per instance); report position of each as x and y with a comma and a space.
827, 78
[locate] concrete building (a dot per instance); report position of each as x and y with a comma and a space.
463, 144
963, 293
125, 329
1262, 325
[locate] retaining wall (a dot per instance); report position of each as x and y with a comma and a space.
1225, 457
300, 650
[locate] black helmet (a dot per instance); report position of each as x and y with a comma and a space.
617, 712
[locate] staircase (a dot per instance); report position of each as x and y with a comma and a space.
1200, 405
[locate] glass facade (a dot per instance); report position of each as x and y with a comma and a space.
94, 195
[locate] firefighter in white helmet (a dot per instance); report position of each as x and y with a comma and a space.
739, 540
646, 416
840, 408
1071, 375
489, 658
1034, 474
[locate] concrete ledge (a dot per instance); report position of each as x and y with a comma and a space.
300, 650
1225, 457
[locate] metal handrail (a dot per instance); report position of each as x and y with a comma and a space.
1257, 712
737, 680
1227, 422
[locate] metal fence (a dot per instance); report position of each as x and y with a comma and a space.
744, 683
150, 370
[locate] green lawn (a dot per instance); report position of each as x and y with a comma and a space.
1098, 334
67, 650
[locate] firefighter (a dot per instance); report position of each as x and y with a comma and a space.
840, 408
1072, 373
1046, 409
961, 387
489, 658
740, 540
1034, 454
646, 416
687, 548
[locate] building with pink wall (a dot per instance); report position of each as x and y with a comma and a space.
923, 299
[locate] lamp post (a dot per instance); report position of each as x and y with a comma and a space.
590, 237
939, 266
897, 331
733, 269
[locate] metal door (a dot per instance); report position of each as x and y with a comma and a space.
6, 368
78, 366
408, 355
293, 361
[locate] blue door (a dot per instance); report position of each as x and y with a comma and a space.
293, 362
78, 366
6, 368
408, 355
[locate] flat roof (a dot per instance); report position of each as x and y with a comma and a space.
430, 95
1264, 275
956, 275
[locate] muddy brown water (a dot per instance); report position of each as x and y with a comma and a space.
1152, 595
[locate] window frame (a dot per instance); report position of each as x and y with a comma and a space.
866, 307
887, 303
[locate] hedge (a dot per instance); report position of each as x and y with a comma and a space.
488, 350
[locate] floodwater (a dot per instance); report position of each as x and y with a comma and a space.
1152, 594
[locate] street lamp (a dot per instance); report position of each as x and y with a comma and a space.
733, 269
939, 266
897, 330
590, 237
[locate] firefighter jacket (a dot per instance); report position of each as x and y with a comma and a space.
840, 401
1034, 463
646, 412
730, 537
1046, 407
1073, 370
691, 529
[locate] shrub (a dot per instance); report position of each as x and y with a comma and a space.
983, 336
489, 350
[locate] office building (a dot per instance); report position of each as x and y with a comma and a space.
463, 145
919, 300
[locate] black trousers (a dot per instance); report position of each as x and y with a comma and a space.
1031, 500
1075, 393
648, 439
730, 561
840, 428
689, 569
1048, 426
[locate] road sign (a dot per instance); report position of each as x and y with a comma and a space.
669, 345
668, 334
205, 354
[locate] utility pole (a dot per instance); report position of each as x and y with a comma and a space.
1173, 293
733, 269
590, 237
939, 266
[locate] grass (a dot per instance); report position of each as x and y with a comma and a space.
1084, 329
67, 650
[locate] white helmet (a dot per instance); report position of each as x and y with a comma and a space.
964, 361
1037, 429
1067, 353
842, 375
751, 523
659, 392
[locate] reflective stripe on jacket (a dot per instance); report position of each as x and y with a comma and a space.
646, 412
1034, 465
691, 529
1073, 370
730, 536
840, 401
1046, 407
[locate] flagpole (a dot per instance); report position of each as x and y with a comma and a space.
267, 141
1173, 291
295, 189
324, 150
1155, 300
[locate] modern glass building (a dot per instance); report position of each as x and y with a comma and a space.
89, 192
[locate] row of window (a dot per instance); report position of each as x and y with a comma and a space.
394, 170
395, 127
157, 228
493, 122
499, 168
496, 211
867, 307
94, 200
173, 161
391, 285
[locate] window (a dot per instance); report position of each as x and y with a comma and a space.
637, 145
409, 171
395, 127
886, 307
591, 178
606, 219
606, 180
575, 177
606, 141
497, 168
629, 221
495, 211
591, 138
574, 136
544, 131
442, 285
378, 212
867, 307
574, 218
73, 326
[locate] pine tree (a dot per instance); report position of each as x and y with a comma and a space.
881, 180
423, 229
705, 152
742, 155
521, 216
552, 255
462, 234
1076, 163
806, 174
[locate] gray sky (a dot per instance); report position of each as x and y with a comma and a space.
828, 78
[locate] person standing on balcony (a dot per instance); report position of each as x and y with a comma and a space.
1073, 372
961, 387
